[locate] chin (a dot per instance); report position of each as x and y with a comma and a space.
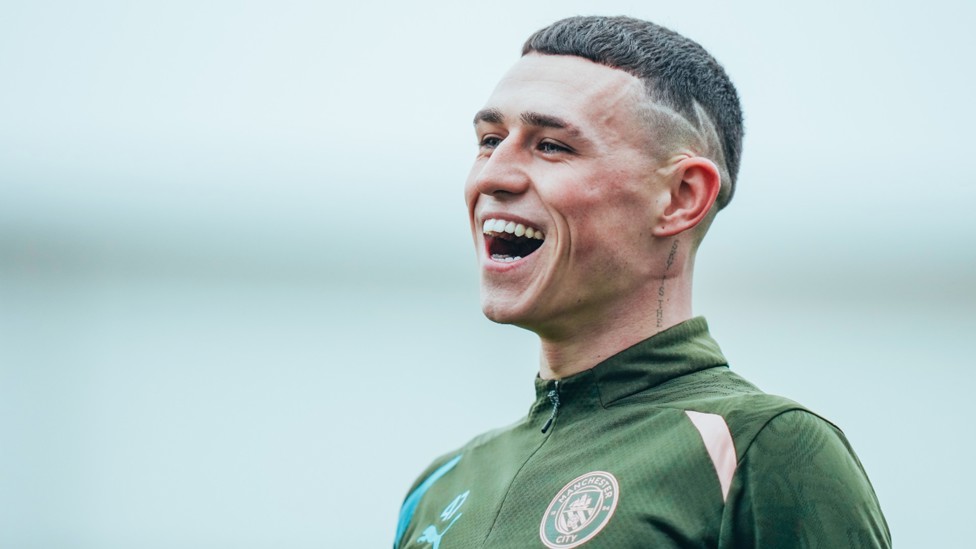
501, 310
496, 314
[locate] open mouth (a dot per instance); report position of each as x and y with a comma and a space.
509, 241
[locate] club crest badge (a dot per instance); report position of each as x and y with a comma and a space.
580, 510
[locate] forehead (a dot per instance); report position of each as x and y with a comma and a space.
568, 87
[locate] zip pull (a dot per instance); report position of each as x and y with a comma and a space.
554, 398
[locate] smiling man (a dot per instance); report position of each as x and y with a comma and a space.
603, 156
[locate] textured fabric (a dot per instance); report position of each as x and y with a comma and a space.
637, 455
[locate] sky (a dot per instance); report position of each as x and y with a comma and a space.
238, 300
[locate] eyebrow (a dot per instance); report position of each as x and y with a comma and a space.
491, 116
544, 121
530, 118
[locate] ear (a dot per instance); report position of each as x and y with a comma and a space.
692, 187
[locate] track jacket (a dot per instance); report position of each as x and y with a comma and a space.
660, 446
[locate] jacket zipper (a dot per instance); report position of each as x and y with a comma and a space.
554, 399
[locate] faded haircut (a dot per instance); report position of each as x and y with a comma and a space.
678, 74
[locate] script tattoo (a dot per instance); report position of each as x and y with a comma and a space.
660, 290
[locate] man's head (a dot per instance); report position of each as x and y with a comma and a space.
593, 182
678, 74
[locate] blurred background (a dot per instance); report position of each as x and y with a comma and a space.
238, 301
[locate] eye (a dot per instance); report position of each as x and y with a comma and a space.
489, 142
551, 147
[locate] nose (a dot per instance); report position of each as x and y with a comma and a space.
503, 172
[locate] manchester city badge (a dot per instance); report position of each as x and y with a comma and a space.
580, 510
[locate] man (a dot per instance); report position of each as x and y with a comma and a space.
604, 154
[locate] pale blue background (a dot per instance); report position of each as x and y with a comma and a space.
238, 305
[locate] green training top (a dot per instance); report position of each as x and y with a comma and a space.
659, 446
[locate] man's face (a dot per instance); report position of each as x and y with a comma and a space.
562, 196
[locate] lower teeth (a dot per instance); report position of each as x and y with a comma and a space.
505, 258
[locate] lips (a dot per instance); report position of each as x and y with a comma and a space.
508, 241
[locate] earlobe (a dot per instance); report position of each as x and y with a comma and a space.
693, 187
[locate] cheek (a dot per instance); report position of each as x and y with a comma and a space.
470, 189
607, 205
610, 227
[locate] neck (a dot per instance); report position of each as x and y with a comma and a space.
666, 303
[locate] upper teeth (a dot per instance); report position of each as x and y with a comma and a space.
511, 227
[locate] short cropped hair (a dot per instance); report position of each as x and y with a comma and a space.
677, 73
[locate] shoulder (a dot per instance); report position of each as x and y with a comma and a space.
750, 416
743, 408
798, 483
795, 482
445, 462
797, 443
440, 468
766, 428
797, 432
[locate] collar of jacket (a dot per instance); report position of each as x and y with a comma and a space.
679, 350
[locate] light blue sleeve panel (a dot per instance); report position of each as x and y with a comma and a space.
413, 499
